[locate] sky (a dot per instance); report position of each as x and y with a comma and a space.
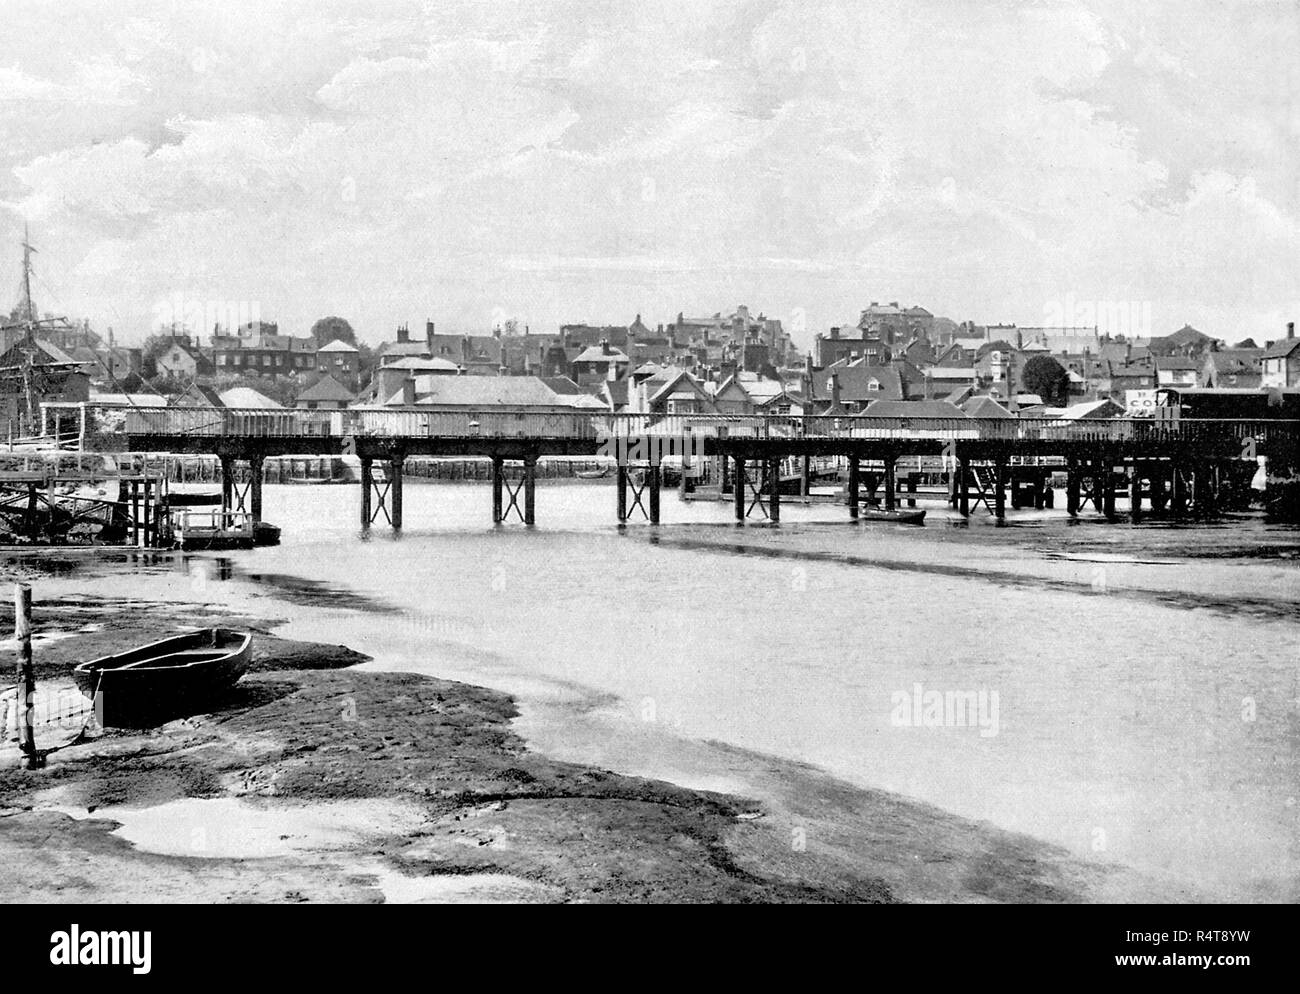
555, 162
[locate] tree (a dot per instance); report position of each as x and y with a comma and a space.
1046, 377
328, 329
1247, 343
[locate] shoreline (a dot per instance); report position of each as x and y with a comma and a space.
365, 785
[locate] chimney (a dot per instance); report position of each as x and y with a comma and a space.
428, 337
835, 333
1290, 329
403, 334
408, 391
604, 346
835, 390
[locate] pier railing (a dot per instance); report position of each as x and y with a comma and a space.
103, 422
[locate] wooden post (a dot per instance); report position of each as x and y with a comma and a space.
394, 489
620, 481
805, 480
911, 488
25, 701
963, 487
852, 493
1072, 487
738, 488
1108, 490
1159, 500
891, 481
1177, 489
652, 481
498, 501
227, 484
530, 489
255, 487
1135, 494
367, 483
999, 493
774, 489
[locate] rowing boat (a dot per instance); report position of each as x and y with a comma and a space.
903, 516
181, 675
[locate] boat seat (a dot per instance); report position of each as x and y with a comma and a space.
176, 659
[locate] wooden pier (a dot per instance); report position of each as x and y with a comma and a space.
1179, 466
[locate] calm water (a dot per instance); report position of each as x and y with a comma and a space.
1146, 677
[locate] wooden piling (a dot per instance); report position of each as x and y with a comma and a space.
1108, 491
774, 489
852, 491
999, 492
394, 490
498, 501
255, 465
367, 484
1135, 494
738, 488
25, 701
963, 487
530, 490
891, 482
620, 474
911, 489
653, 480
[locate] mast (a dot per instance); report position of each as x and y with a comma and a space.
27, 310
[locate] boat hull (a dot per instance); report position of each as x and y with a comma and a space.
905, 516
178, 676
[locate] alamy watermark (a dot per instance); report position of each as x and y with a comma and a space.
921, 708
630, 450
1130, 318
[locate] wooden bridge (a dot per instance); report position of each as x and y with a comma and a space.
1183, 465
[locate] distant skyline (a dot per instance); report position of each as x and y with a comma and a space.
465, 162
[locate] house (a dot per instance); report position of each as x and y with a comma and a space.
599, 362
339, 360
1071, 340
887, 322
985, 407
1281, 361
1186, 341
1177, 370
836, 347
388, 377
914, 409
846, 388
674, 392
35, 372
1093, 410
258, 348
326, 394
181, 359
1229, 368
478, 393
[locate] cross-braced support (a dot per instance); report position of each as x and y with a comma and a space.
374, 495
644, 486
507, 494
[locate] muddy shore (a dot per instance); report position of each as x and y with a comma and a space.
314, 781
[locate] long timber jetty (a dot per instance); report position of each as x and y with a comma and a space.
1185, 466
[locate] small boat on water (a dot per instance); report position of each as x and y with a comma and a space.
592, 474
181, 675
902, 516
222, 530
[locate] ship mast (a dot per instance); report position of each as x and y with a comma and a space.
27, 309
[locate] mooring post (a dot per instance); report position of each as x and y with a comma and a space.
911, 488
498, 475
367, 483
255, 487
653, 480
530, 489
851, 494
620, 486
1135, 494
891, 482
738, 488
774, 489
1159, 498
25, 701
963, 487
395, 490
805, 479
1108, 490
1072, 487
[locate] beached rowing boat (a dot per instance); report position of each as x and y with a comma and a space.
903, 516
176, 676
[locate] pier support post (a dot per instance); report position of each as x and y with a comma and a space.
805, 479
891, 482
852, 495
367, 485
227, 484
530, 490
395, 490
1108, 490
963, 487
738, 488
497, 477
911, 489
999, 492
653, 480
1159, 499
24, 699
255, 464
620, 489
1135, 494
774, 490
1177, 489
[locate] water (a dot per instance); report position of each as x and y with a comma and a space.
1145, 676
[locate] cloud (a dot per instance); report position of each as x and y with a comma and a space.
462, 157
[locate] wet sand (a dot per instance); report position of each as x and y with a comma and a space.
315, 781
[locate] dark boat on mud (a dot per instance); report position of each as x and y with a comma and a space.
903, 516
177, 676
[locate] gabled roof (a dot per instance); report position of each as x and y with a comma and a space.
337, 345
985, 407
855, 382
328, 389
914, 409
597, 353
248, 397
417, 365
482, 391
1281, 349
